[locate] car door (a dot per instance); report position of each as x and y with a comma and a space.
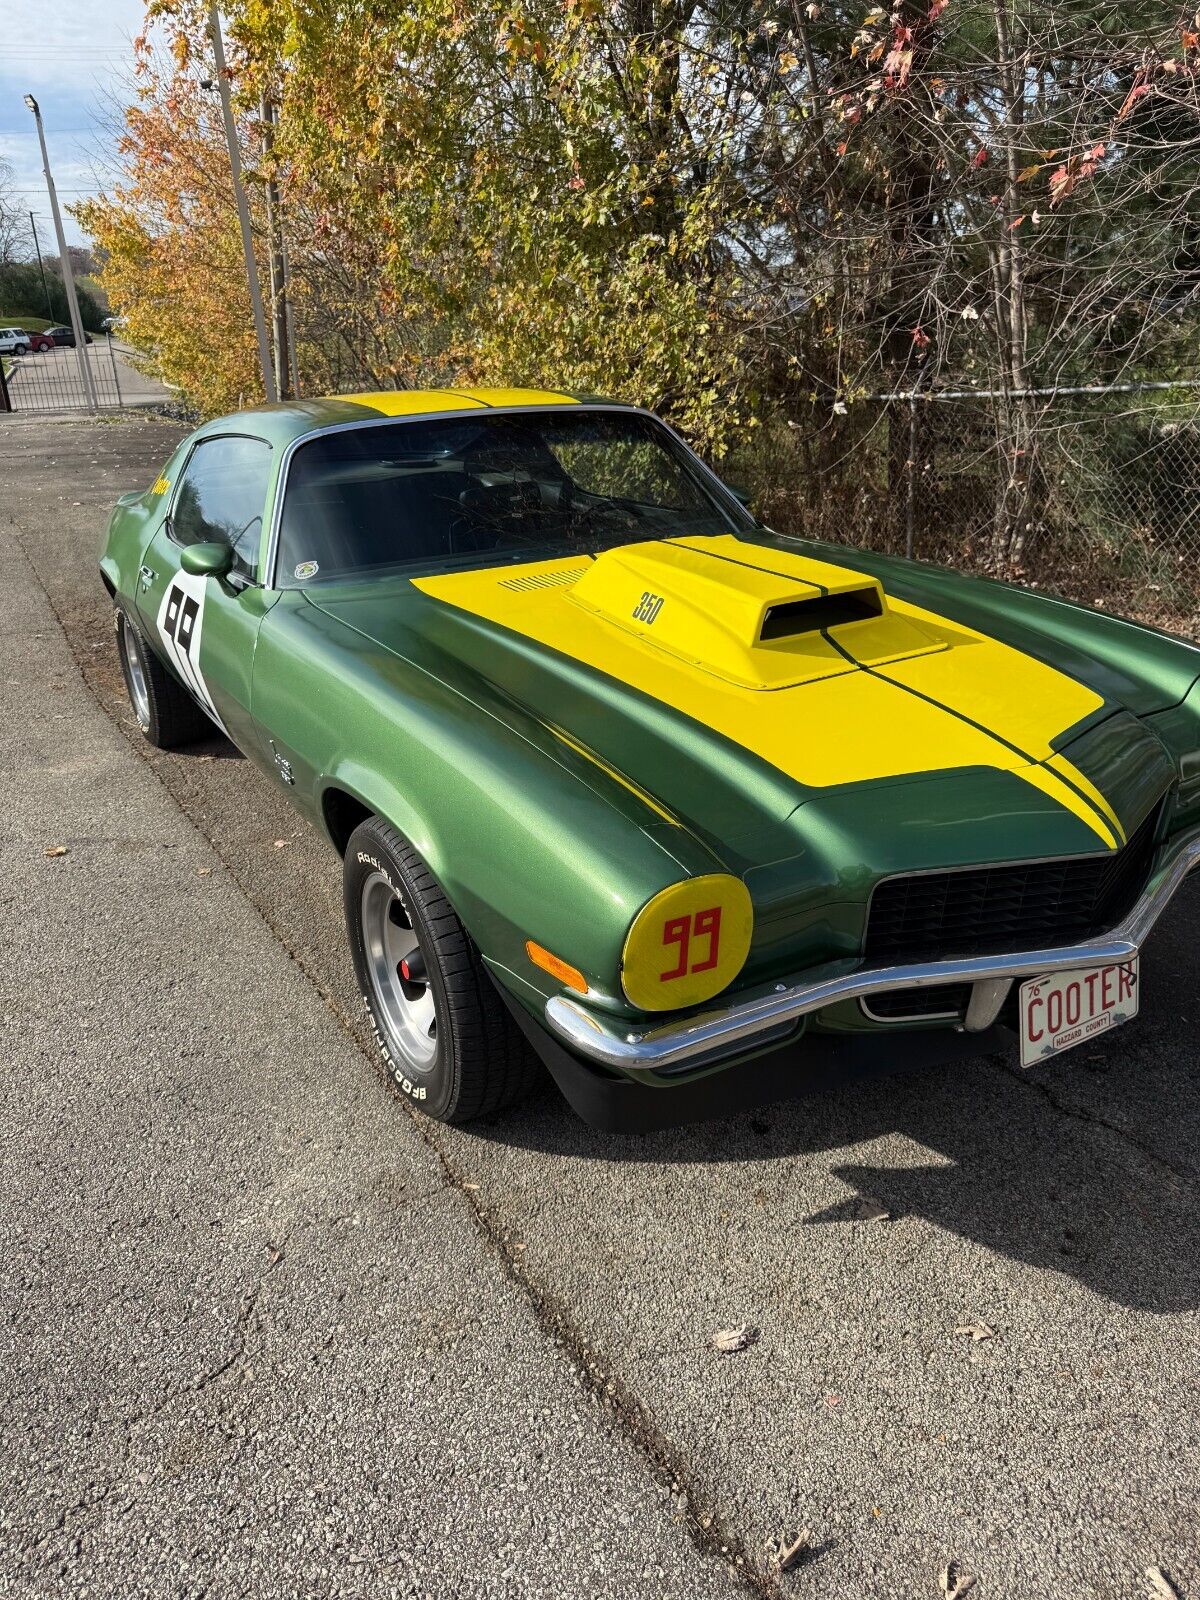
207, 627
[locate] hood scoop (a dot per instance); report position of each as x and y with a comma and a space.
755, 616
791, 618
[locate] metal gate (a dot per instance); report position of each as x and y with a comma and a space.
58, 379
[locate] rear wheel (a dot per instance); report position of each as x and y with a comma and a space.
165, 711
20, 349
444, 1032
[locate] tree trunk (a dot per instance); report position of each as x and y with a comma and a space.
1019, 503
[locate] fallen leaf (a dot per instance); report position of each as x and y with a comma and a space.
872, 1210
52, 850
281, 844
787, 1553
974, 1331
730, 1340
1159, 1586
203, 872
954, 1582
833, 1400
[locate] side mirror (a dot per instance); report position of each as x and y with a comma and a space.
209, 560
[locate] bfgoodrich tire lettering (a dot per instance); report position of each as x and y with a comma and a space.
444, 1032
165, 711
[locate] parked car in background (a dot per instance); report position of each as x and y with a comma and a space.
66, 336
14, 342
40, 341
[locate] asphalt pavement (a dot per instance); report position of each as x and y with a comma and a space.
266, 1332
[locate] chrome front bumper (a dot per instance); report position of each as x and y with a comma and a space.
759, 1017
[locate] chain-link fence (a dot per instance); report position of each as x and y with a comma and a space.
1092, 492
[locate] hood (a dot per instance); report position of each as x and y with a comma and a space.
737, 683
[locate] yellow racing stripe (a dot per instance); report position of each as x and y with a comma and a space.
617, 777
934, 696
423, 402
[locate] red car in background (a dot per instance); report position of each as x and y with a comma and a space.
40, 341
64, 335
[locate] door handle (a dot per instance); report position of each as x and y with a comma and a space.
147, 575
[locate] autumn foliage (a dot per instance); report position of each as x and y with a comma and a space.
737, 213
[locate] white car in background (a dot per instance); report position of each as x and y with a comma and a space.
14, 342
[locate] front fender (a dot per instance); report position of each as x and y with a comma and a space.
523, 847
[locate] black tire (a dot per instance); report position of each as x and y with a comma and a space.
480, 1062
162, 707
20, 349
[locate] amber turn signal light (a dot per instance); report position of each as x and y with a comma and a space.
556, 967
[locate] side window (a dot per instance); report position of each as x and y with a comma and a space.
222, 491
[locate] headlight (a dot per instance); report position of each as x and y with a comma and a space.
688, 943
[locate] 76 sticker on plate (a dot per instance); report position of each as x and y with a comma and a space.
1066, 1008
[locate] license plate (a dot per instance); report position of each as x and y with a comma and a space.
1068, 1008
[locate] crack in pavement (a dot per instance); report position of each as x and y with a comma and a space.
666, 1465
1093, 1119
245, 1324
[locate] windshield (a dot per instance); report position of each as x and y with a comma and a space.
489, 487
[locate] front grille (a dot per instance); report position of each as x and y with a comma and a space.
906, 1005
1028, 905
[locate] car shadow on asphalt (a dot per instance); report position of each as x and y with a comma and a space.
1085, 1166
218, 748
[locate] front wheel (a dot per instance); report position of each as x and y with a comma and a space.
448, 1041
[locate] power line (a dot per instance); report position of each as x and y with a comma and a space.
57, 55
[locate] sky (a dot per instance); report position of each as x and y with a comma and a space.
70, 55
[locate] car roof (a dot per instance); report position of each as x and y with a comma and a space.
290, 419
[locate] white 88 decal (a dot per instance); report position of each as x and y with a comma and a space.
180, 624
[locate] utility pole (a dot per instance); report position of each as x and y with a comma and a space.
291, 318
243, 209
41, 268
81, 356
279, 312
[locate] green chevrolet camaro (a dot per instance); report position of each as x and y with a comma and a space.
697, 814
